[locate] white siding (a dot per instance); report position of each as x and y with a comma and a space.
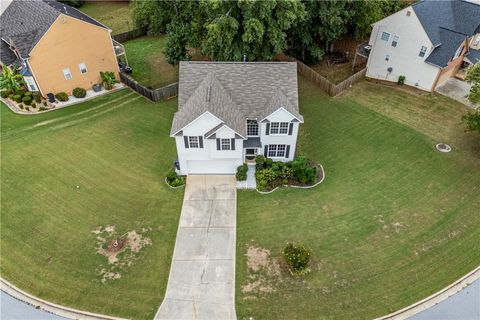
404, 58
280, 116
199, 127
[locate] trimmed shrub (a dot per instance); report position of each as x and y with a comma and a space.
174, 179
79, 93
401, 80
42, 108
4, 94
242, 172
20, 106
297, 257
34, 105
27, 108
27, 100
37, 97
62, 96
302, 171
45, 103
28, 94
20, 92
17, 98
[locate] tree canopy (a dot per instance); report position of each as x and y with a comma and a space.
257, 30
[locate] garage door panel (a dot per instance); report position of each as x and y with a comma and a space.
211, 167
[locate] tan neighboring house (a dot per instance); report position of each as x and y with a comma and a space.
57, 47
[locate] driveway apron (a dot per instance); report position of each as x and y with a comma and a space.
201, 284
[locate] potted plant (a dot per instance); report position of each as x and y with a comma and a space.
97, 87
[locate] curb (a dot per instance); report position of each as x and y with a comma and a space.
51, 307
293, 186
435, 298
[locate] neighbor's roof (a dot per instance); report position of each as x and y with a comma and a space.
233, 91
473, 55
25, 22
445, 22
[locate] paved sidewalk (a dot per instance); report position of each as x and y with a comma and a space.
251, 182
201, 284
458, 90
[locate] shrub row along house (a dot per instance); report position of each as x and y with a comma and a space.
56, 47
427, 43
228, 112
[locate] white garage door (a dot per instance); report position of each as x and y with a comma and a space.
211, 167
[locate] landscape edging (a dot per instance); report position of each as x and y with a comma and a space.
50, 307
435, 298
293, 186
166, 182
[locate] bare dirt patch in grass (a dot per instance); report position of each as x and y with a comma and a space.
265, 271
120, 250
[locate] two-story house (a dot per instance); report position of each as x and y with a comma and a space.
426, 42
56, 46
228, 112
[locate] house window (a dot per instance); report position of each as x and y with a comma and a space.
82, 67
67, 74
279, 128
193, 142
225, 144
395, 41
276, 150
32, 86
423, 50
387, 57
252, 128
458, 52
385, 36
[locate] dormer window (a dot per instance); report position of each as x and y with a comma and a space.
252, 127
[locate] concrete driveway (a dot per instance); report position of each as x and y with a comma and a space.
201, 284
457, 90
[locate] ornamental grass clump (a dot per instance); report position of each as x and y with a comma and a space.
297, 257
242, 172
174, 180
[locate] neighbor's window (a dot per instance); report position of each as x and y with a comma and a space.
193, 142
279, 128
82, 67
276, 150
67, 74
225, 144
395, 41
385, 36
423, 50
252, 128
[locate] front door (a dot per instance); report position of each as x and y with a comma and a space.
250, 154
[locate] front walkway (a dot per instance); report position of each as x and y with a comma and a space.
251, 182
201, 284
457, 90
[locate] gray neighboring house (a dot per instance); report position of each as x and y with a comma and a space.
228, 112
428, 42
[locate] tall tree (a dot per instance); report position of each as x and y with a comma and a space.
473, 76
334, 17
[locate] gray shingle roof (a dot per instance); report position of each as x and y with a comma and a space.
457, 16
25, 22
474, 55
237, 90
6, 55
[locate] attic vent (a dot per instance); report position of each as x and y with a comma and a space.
409, 13
208, 94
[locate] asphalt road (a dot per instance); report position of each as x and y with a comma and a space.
13, 309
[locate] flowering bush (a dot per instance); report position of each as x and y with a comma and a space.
297, 257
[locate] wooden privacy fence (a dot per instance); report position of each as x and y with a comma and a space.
153, 94
322, 82
129, 35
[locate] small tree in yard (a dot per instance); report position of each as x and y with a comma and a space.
472, 121
473, 76
10, 79
297, 257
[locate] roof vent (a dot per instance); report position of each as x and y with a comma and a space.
65, 9
209, 93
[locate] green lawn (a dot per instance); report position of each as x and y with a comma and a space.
117, 150
393, 222
150, 68
117, 15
